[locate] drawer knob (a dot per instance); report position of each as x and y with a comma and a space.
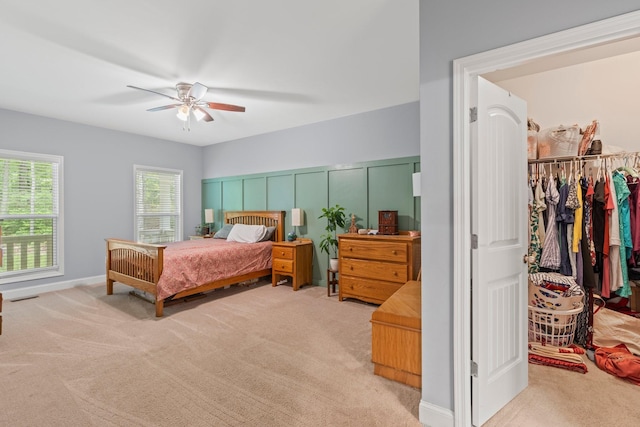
282, 253
394, 252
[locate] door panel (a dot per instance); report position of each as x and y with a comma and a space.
500, 221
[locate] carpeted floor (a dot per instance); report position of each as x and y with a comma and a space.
243, 356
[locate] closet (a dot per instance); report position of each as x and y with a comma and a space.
574, 90
592, 241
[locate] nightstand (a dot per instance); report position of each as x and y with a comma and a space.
292, 259
208, 236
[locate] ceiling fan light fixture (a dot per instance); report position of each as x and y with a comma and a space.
183, 113
199, 114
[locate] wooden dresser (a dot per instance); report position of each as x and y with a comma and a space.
396, 336
373, 267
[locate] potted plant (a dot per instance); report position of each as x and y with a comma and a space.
329, 243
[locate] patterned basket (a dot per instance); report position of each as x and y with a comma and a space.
548, 299
553, 327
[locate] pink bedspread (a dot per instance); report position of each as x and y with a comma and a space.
191, 263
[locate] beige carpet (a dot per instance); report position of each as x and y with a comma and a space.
243, 356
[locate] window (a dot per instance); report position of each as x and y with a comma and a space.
31, 220
158, 204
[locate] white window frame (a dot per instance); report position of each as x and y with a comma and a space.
179, 220
58, 268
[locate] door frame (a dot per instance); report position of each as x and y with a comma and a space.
464, 71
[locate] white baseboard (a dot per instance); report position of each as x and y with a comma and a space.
30, 291
435, 416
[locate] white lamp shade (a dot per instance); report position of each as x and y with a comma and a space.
183, 113
416, 184
208, 216
297, 217
199, 114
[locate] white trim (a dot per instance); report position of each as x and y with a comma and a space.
464, 71
435, 416
31, 291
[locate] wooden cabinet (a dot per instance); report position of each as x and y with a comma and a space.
396, 336
373, 267
198, 237
292, 259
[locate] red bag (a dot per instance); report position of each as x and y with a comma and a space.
619, 361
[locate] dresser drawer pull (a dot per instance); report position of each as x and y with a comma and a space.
282, 253
394, 252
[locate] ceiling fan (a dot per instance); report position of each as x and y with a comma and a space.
189, 102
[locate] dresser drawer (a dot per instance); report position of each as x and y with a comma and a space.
282, 252
367, 289
374, 270
384, 251
283, 265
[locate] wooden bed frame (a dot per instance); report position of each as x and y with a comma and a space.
140, 264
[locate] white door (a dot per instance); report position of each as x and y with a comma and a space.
499, 275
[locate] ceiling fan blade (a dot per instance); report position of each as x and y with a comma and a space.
164, 107
157, 93
227, 107
205, 115
197, 91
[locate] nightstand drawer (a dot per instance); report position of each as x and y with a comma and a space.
384, 251
374, 270
282, 252
283, 265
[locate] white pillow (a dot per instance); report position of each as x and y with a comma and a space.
247, 233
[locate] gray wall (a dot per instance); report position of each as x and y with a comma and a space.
451, 30
98, 168
98, 183
388, 133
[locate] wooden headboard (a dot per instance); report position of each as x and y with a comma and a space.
266, 218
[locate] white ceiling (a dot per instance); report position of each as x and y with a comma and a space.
289, 62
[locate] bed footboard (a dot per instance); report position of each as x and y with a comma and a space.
135, 264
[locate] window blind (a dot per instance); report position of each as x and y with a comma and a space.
30, 216
158, 205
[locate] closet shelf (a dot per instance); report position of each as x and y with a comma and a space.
585, 158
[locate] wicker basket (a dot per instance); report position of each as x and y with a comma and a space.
553, 327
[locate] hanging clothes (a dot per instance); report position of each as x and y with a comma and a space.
541, 206
622, 197
550, 257
615, 267
535, 249
587, 251
634, 216
565, 218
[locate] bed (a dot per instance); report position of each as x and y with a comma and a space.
141, 265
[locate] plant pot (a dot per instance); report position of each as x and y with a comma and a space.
333, 264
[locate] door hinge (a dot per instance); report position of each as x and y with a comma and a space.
474, 369
473, 114
474, 241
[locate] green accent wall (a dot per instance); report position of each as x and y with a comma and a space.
362, 189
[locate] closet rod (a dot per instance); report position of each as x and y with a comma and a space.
585, 158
